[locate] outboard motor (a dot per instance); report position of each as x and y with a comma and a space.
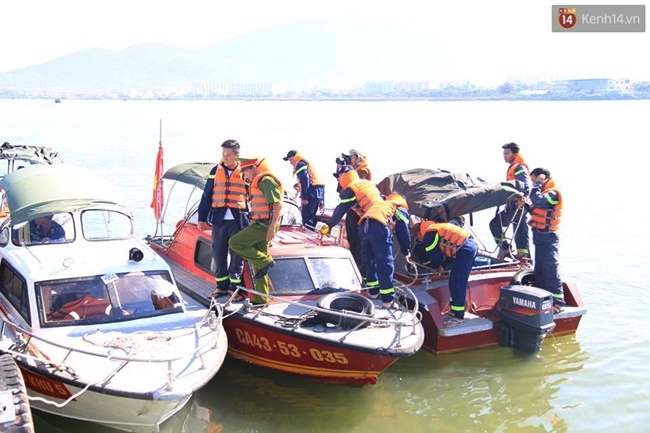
526, 314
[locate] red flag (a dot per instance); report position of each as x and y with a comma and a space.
158, 198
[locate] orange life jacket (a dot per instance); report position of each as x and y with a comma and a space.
381, 212
86, 307
228, 191
259, 208
363, 166
366, 194
519, 160
547, 219
451, 237
314, 179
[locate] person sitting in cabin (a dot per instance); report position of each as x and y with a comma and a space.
376, 229
310, 186
164, 298
44, 229
448, 241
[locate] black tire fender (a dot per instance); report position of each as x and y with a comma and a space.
524, 277
342, 302
11, 379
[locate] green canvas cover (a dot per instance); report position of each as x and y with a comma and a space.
439, 195
41, 190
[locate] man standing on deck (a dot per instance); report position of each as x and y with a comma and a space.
223, 206
252, 243
311, 188
546, 204
514, 212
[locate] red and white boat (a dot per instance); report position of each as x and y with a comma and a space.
318, 323
503, 305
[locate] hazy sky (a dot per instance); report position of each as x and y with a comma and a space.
476, 40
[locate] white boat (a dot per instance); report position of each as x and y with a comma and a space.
93, 318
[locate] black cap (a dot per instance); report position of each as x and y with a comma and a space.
290, 154
344, 169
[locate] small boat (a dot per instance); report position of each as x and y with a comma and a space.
318, 324
90, 314
503, 305
57, 101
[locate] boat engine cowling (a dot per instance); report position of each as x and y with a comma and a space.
526, 314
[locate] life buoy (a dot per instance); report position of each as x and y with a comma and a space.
524, 277
342, 302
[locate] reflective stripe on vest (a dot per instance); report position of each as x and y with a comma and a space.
366, 195
449, 237
260, 209
548, 219
228, 191
314, 179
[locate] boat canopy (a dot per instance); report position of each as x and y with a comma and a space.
41, 190
439, 195
28, 154
190, 173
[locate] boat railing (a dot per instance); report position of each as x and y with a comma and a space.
410, 314
24, 347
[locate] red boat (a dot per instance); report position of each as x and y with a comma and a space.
503, 306
319, 324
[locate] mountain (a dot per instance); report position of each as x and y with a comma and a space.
294, 55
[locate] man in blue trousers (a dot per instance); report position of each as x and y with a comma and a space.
376, 228
444, 243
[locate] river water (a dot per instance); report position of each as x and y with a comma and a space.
595, 380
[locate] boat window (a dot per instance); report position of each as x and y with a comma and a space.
107, 298
294, 275
291, 276
99, 225
291, 215
48, 229
335, 273
14, 287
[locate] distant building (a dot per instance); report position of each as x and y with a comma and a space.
395, 87
591, 86
237, 89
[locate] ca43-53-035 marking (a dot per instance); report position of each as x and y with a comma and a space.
288, 349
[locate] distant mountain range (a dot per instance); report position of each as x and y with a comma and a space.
296, 55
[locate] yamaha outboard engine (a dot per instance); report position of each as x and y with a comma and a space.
526, 317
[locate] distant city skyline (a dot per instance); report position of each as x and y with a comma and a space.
485, 43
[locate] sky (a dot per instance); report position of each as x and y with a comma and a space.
478, 41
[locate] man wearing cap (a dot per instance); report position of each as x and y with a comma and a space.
223, 206
546, 212
355, 192
252, 243
311, 187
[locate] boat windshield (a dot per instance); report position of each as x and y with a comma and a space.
49, 229
313, 275
107, 298
100, 224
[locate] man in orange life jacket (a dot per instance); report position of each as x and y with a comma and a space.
513, 213
223, 205
312, 188
357, 196
376, 228
546, 212
252, 243
448, 242
360, 164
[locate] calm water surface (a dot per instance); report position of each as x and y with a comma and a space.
595, 381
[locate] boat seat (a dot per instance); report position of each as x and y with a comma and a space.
471, 324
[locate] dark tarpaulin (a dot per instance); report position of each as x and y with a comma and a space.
440, 195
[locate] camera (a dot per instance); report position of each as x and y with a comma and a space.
343, 160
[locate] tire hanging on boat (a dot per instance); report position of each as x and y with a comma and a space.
346, 302
11, 379
524, 277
